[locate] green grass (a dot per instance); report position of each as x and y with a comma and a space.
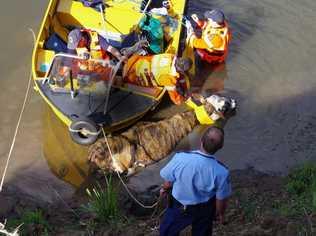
302, 180
301, 188
103, 202
31, 221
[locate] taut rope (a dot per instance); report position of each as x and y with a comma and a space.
122, 181
19, 121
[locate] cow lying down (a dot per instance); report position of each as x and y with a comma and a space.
149, 142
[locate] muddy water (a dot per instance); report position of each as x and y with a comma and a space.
270, 71
28, 170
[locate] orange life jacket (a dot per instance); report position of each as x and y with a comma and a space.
157, 70
213, 45
92, 46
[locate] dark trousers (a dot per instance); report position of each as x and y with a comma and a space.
177, 218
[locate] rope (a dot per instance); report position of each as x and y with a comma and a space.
124, 184
63, 201
19, 120
85, 131
7, 233
146, 7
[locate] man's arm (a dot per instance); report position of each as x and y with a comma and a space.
223, 193
116, 53
167, 174
105, 46
221, 206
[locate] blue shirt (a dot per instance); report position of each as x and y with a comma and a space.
196, 178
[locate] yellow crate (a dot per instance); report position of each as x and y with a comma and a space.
44, 58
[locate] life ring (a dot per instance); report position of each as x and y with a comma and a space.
84, 132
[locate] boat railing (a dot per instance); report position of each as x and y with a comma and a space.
70, 56
74, 74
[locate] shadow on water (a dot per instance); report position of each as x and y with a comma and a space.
273, 139
276, 137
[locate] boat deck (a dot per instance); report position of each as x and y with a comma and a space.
123, 105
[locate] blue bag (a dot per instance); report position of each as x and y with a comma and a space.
55, 43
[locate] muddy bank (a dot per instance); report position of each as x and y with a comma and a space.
257, 207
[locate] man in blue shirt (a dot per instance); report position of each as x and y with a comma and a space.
200, 187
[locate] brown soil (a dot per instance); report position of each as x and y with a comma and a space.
253, 210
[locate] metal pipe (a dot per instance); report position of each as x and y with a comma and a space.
72, 89
110, 85
103, 21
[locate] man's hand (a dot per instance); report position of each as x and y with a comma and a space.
165, 187
221, 219
116, 53
163, 192
221, 206
123, 58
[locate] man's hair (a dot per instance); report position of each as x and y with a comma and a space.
215, 15
213, 139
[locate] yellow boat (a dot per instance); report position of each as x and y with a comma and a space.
85, 103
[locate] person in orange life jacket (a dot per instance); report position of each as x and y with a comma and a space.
89, 44
165, 70
212, 46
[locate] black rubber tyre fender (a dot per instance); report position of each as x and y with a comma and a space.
84, 131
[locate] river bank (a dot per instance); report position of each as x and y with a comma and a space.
262, 204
